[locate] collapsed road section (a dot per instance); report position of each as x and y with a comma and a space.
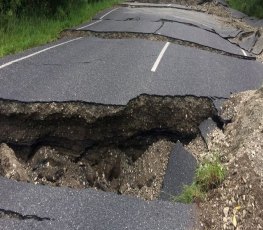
122, 149
69, 33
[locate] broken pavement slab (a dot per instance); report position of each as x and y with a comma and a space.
157, 5
89, 209
154, 15
61, 74
206, 128
258, 47
197, 35
125, 26
180, 172
248, 40
190, 22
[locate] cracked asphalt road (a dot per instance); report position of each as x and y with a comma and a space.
113, 71
87, 209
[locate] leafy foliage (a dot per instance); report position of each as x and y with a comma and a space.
20, 28
250, 7
10, 8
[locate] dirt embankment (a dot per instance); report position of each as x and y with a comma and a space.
122, 149
238, 203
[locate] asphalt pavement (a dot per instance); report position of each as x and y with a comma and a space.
113, 71
121, 70
67, 209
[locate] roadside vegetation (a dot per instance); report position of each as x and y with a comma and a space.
209, 175
249, 7
28, 23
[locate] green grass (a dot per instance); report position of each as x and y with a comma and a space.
250, 7
29, 31
191, 193
209, 175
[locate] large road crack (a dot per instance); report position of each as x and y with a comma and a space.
71, 33
114, 148
161, 26
11, 214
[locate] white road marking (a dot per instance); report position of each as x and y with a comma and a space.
160, 57
244, 52
36, 53
108, 13
98, 20
88, 25
169, 4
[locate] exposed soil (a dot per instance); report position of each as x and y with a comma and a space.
240, 148
122, 149
108, 169
71, 33
237, 203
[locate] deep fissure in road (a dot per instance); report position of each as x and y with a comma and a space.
71, 33
116, 148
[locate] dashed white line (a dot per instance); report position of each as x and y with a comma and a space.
36, 53
160, 57
100, 19
244, 52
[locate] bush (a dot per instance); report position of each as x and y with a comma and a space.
250, 7
10, 8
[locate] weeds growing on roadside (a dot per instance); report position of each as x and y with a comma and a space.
209, 175
191, 193
250, 7
18, 33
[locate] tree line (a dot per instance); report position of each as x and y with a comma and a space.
250, 7
47, 7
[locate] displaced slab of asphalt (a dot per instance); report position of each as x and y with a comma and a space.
186, 25
80, 71
64, 208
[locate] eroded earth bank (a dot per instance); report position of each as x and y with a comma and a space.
123, 149
238, 201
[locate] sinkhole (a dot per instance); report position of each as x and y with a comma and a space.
113, 148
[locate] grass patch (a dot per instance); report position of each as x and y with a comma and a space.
191, 193
21, 33
209, 175
250, 7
